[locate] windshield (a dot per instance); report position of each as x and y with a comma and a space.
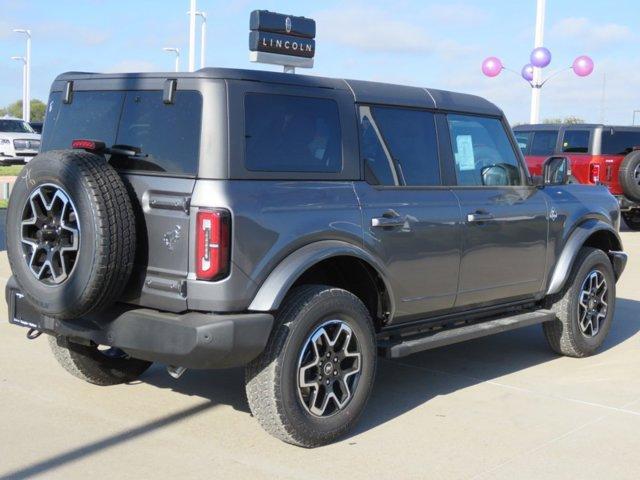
15, 126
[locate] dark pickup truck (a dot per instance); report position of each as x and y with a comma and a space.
299, 226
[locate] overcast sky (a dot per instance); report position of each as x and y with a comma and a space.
427, 43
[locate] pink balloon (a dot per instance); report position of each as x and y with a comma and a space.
492, 66
582, 66
527, 72
540, 57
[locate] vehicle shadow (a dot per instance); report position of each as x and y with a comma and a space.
404, 384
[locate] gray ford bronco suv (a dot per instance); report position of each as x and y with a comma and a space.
298, 226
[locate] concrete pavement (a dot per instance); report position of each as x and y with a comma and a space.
501, 407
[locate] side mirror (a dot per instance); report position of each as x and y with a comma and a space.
556, 171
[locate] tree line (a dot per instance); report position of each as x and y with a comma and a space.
38, 108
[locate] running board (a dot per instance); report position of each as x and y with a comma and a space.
468, 332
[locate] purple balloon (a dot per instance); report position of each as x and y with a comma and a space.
527, 72
540, 57
491, 66
582, 66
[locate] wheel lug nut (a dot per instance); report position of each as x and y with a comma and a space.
335, 359
327, 382
328, 354
335, 372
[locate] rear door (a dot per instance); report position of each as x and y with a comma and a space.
505, 219
160, 175
411, 222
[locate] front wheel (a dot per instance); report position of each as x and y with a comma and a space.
585, 309
313, 379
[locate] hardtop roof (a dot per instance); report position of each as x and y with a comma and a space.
362, 91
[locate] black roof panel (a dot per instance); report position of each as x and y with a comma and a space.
363, 91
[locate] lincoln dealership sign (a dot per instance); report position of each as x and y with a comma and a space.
282, 39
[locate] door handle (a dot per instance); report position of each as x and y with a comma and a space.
387, 221
479, 217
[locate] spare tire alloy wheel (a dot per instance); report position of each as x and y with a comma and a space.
629, 175
71, 233
593, 303
329, 368
50, 234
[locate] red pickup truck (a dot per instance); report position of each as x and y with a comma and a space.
605, 154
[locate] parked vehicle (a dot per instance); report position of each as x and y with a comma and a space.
37, 126
299, 226
19, 143
598, 154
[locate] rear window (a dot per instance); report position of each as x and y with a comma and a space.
285, 133
619, 143
167, 137
576, 141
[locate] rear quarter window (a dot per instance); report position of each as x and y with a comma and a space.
286, 133
576, 141
619, 142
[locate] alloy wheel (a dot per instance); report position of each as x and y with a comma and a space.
50, 234
593, 303
329, 367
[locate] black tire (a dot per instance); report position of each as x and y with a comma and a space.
632, 218
92, 365
629, 175
272, 379
106, 235
565, 335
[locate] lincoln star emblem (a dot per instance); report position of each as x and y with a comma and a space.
287, 25
171, 237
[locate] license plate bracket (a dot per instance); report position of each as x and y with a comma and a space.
22, 313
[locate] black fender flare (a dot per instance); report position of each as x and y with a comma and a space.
275, 287
574, 243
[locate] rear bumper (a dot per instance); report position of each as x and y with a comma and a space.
192, 339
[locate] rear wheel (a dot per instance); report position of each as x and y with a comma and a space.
585, 309
632, 218
313, 380
108, 366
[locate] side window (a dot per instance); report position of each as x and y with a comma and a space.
378, 168
575, 141
167, 136
482, 151
286, 133
410, 137
524, 141
544, 143
619, 142
92, 115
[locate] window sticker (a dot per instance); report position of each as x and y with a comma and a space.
464, 155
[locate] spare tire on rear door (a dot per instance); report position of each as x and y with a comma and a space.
70, 233
629, 175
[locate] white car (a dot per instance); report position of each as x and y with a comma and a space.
19, 143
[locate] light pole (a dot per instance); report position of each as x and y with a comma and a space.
177, 52
24, 85
203, 37
192, 36
27, 80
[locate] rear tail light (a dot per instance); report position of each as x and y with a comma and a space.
594, 173
90, 145
213, 231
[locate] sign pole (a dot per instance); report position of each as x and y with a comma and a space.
537, 72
